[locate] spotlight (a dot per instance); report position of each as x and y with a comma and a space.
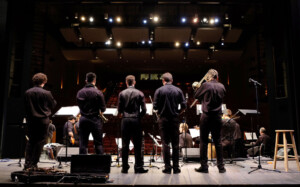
195, 20
177, 44
119, 44
183, 20
216, 20
110, 20
91, 19
118, 19
80, 38
150, 42
186, 44
226, 17
145, 21
198, 43
155, 18
76, 16
222, 43
211, 21
82, 18
108, 42
204, 20
143, 42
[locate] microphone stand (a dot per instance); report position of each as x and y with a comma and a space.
155, 120
259, 164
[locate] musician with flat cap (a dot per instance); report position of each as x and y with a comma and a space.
166, 101
211, 94
91, 104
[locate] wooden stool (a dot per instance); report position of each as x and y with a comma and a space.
285, 145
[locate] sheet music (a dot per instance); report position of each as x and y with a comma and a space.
68, 111
199, 108
248, 111
120, 143
149, 107
111, 111
194, 133
91, 136
249, 136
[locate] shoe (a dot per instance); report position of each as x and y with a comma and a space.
140, 170
201, 170
167, 170
222, 170
176, 170
125, 169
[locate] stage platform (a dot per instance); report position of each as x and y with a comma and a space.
235, 175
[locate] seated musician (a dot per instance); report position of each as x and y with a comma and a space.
230, 132
263, 143
185, 139
71, 132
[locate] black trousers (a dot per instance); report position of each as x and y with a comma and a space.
131, 128
169, 132
213, 124
90, 125
37, 134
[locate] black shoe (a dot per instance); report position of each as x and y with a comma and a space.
140, 170
167, 170
222, 170
176, 170
201, 170
125, 169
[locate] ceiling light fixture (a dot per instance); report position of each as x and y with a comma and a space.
82, 18
156, 19
110, 20
183, 20
118, 19
91, 19
177, 44
119, 44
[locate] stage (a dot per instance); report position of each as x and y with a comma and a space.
235, 175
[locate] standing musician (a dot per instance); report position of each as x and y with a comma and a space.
166, 101
91, 104
130, 102
211, 94
38, 106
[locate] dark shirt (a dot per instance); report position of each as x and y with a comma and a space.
188, 139
211, 94
90, 101
230, 130
68, 127
167, 99
265, 139
130, 103
39, 102
51, 129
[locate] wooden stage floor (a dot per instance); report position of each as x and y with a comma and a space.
235, 175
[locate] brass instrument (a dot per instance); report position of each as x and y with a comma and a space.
196, 86
104, 119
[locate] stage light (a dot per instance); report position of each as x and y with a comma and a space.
108, 42
222, 43
145, 21
198, 43
156, 19
110, 37
118, 19
183, 20
205, 20
186, 44
80, 38
76, 16
119, 44
91, 19
177, 44
226, 17
211, 21
110, 20
105, 15
216, 20
195, 20
143, 42
149, 42
82, 18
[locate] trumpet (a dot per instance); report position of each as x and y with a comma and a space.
196, 86
104, 119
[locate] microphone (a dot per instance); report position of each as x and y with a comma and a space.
254, 81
